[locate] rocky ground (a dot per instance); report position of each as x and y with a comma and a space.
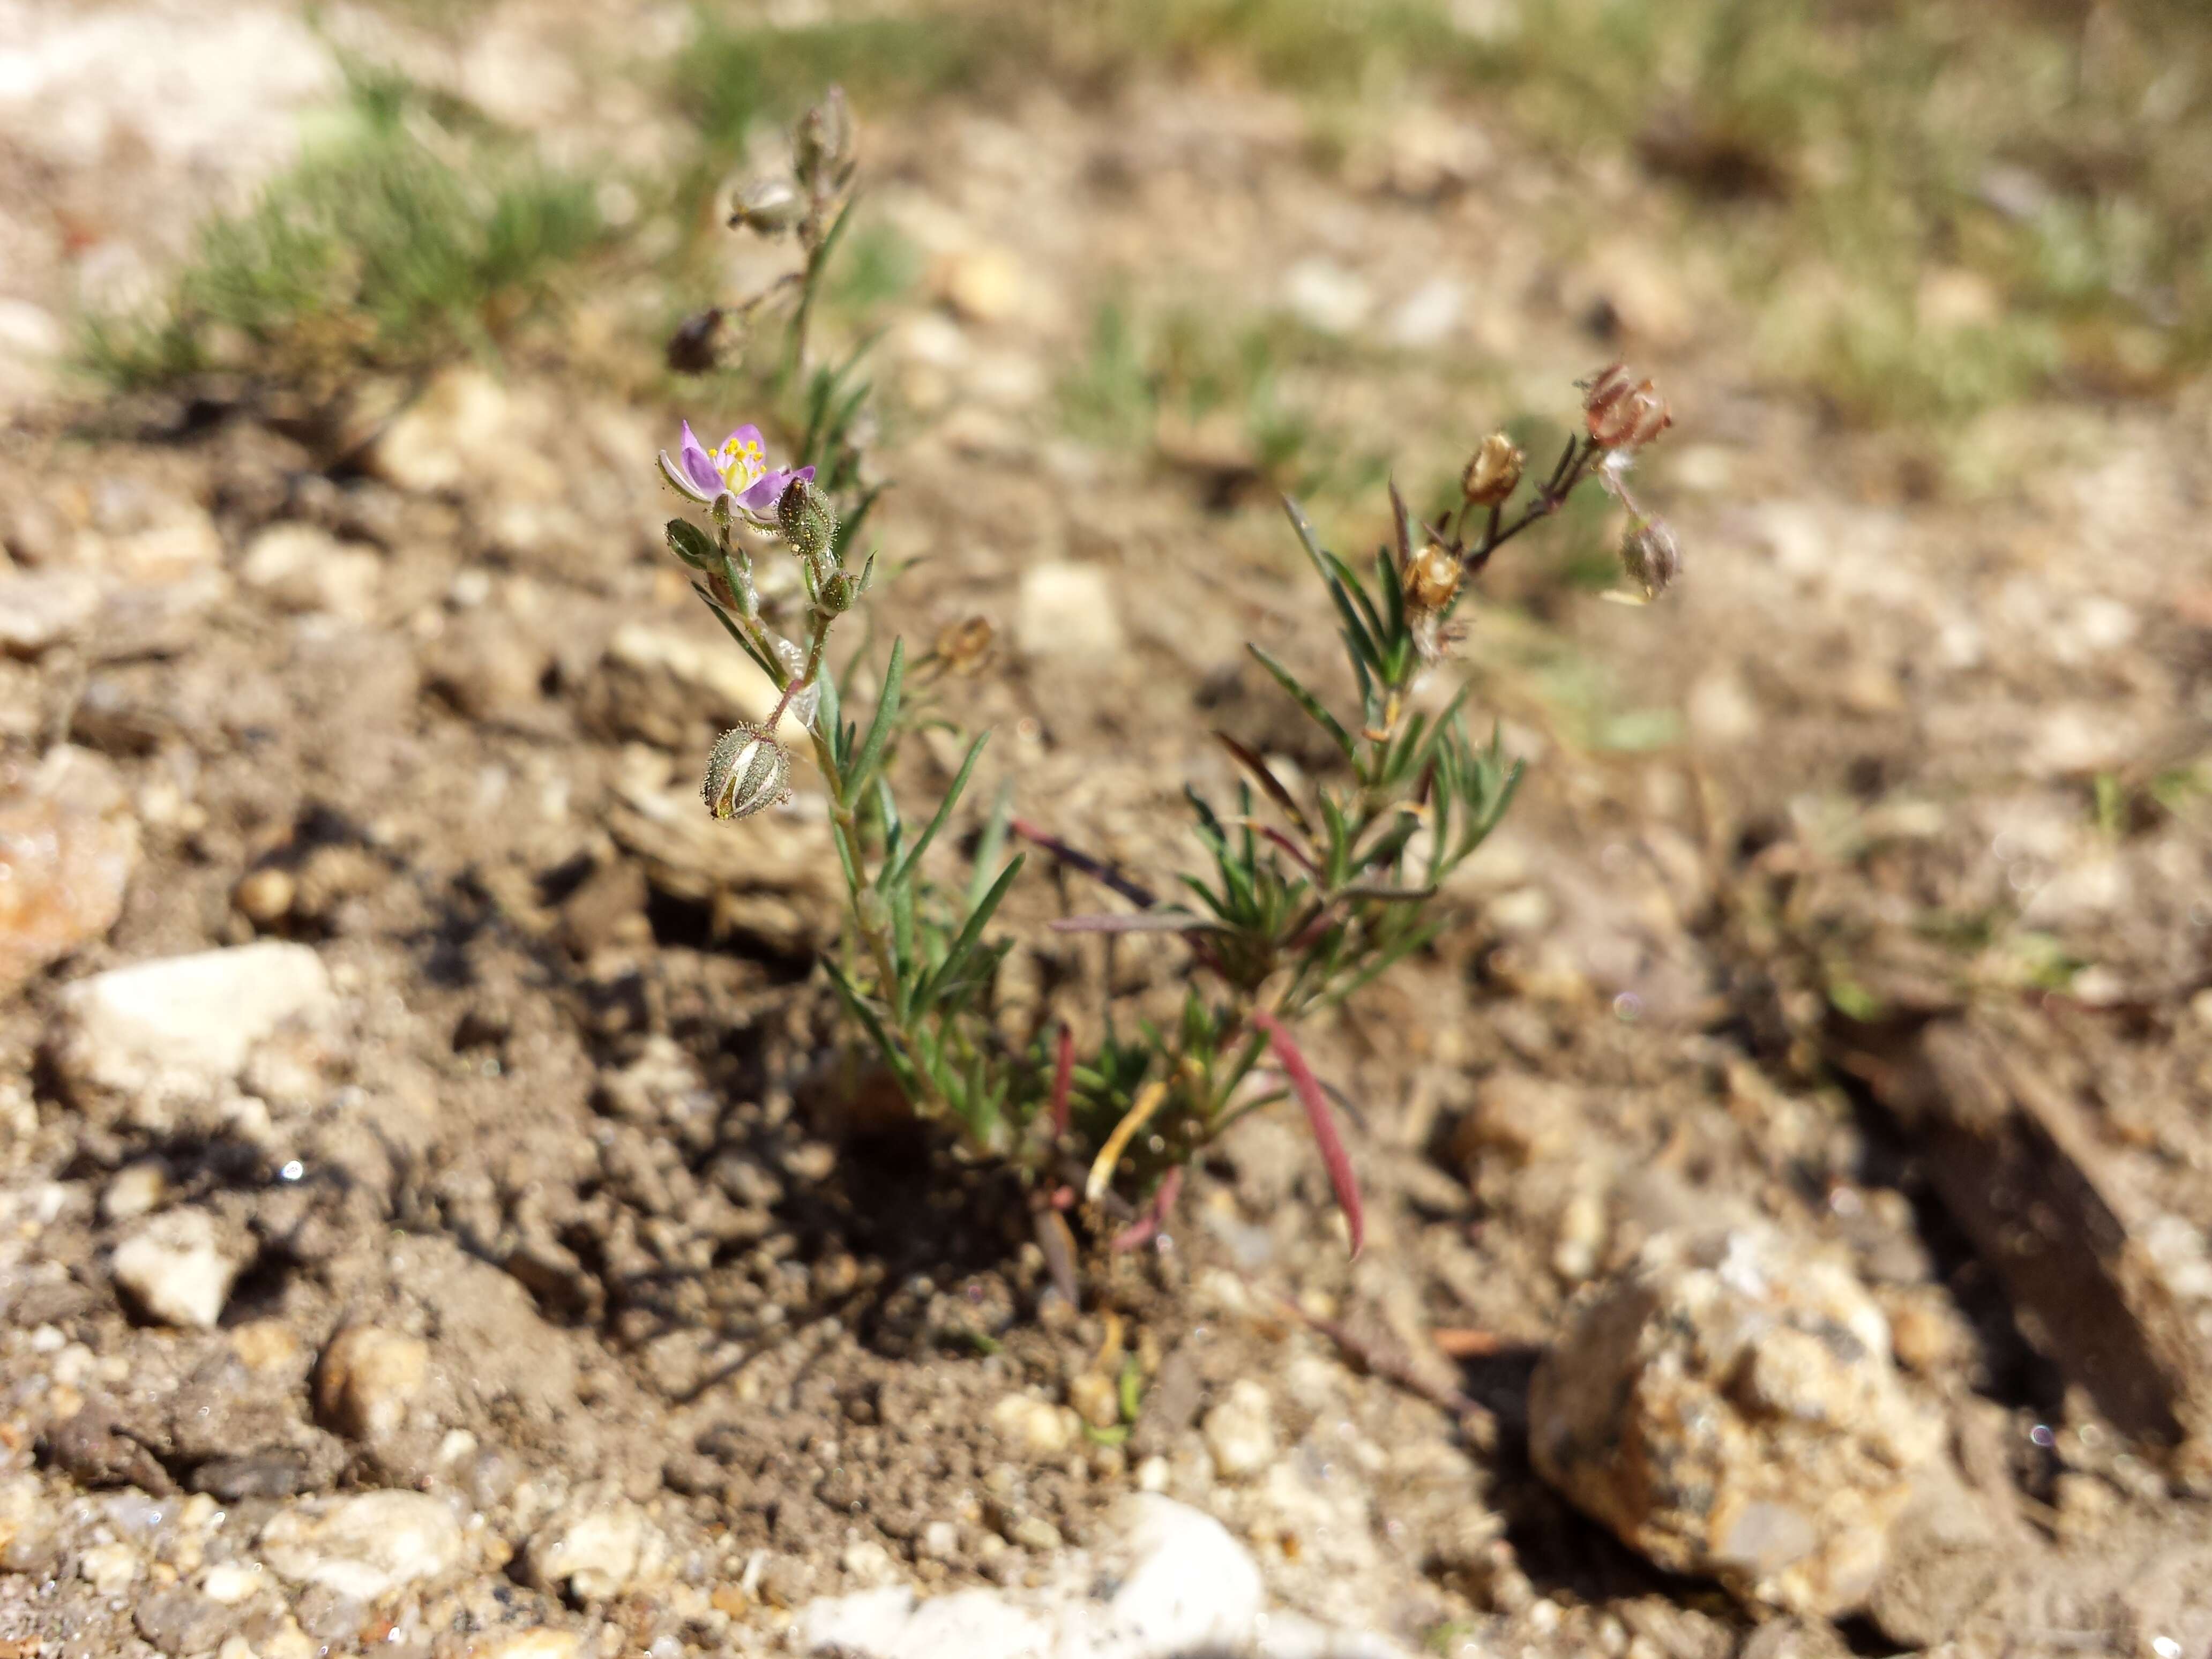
429, 1219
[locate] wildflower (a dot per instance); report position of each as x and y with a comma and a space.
736, 472
1621, 412
1651, 555
1493, 472
748, 770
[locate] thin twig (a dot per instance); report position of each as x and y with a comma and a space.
1391, 1368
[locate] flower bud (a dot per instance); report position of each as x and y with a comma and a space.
1622, 412
840, 590
1432, 580
748, 770
1493, 472
1651, 555
769, 206
822, 145
807, 521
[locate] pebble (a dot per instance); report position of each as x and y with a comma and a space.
1326, 297
867, 1562
1168, 1580
229, 1582
27, 1526
178, 1028
176, 1270
68, 847
1036, 1425
43, 608
1068, 612
301, 567
180, 1621
981, 285
1240, 1431
446, 434
1094, 1399
368, 1378
134, 1190
542, 1642
264, 895
110, 1569
597, 1554
1728, 1405
364, 1547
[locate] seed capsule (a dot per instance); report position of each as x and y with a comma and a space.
807, 521
1493, 472
1651, 555
1622, 412
748, 770
1432, 582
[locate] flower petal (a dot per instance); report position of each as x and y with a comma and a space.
763, 495
746, 434
681, 481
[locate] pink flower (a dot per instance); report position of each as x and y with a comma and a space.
737, 470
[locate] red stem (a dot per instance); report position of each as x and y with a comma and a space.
1063, 1079
1308, 1089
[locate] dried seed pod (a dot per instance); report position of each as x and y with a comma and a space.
1621, 411
1651, 555
1493, 472
748, 770
964, 646
1432, 580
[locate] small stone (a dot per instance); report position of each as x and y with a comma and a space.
1728, 1405
981, 285
1035, 1425
300, 568
176, 1030
1066, 612
229, 1582
368, 1378
541, 1643
1326, 297
176, 1271
487, 666
264, 896
68, 847
28, 1527
436, 443
42, 608
1095, 1400
939, 1541
110, 1569
1240, 1431
866, 1562
180, 1621
134, 1190
265, 1345
1033, 1532
1153, 1474
597, 1554
364, 1547
1581, 1237
236, 1647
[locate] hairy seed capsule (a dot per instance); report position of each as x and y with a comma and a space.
1432, 582
1651, 555
748, 770
806, 519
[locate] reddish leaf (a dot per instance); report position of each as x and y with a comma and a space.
1063, 1077
1308, 1089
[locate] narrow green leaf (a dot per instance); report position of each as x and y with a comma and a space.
880, 729
736, 633
1307, 700
990, 845
944, 808
981, 915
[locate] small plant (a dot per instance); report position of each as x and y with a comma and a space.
1304, 897
410, 232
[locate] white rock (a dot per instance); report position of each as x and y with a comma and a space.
229, 1582
178, 1028
1036, 1425
1169, 1581
598, 1553
109, 1568
368, 1378
175, 1269
457, 423
365, 1547
1324, 296
1240, 1431
41, 608
1066, 612
542, 1642
134, 1190
300, 568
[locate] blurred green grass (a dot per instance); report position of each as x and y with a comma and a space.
409, 231
1926, 209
